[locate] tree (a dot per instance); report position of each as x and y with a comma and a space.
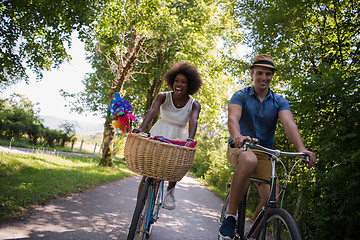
19, 119
68, 128
34, 34
135, 43
303, 36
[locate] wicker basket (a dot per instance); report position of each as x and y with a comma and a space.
157, 159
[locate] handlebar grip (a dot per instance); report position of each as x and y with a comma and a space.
252, 141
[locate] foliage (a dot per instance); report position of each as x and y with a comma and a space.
303, 36
337, 170
32, 179
19, 120
119, 145
210, 161
191, 34
172, 34
68, 128
132, 44
34, 34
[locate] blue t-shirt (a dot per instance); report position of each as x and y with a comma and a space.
259, 119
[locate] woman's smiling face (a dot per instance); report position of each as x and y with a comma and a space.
180, 85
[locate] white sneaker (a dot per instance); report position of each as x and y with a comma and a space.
169, 200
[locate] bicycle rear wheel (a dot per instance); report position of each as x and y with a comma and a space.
280, 226
138, 228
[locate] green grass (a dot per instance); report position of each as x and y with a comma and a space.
34, 179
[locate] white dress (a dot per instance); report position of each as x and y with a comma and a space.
173, 121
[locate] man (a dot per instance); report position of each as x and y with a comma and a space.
253, 113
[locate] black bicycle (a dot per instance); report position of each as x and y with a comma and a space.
273, 221
147, 209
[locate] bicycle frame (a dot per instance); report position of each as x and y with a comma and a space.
241, 214
271, 203
151, 215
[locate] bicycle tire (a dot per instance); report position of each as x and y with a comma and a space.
136, 230
280, 226
223, 212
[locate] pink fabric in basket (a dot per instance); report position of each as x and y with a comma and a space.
179, 143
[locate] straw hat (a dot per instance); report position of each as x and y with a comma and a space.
263, 60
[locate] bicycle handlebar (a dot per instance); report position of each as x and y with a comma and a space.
254, 142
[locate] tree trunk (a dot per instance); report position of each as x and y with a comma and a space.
108, 139
123, 71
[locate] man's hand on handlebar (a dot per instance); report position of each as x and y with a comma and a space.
312, 158
239, 141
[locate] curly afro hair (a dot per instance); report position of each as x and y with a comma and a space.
191, 73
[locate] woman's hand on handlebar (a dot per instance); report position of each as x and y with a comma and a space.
140, 132
137, 130
239, 141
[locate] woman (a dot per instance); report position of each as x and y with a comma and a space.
177, 109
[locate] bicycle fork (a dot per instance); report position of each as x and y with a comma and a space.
151, 215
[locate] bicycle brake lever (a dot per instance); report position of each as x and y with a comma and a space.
306, 158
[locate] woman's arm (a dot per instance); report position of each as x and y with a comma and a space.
193, 121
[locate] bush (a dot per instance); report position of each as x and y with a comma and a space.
331, 201
19, 121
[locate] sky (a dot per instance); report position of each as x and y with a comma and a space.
46, 92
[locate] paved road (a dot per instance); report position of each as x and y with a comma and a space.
105, 213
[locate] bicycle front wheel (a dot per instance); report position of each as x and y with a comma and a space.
138, 228
280, 226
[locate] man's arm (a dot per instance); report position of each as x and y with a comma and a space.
292, 132
234, 116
